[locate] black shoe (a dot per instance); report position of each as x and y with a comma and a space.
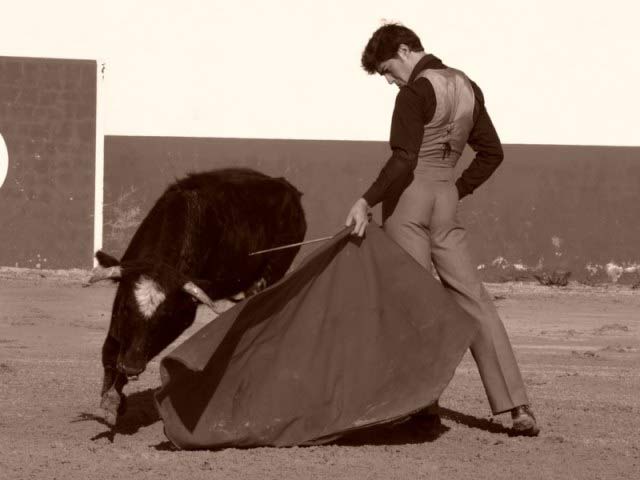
524, 421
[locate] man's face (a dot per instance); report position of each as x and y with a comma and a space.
397, 70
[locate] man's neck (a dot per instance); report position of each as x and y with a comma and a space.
415, 57
425, 60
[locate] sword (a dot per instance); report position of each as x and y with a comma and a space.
282, 247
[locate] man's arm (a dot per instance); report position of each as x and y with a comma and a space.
415, 105
485, 142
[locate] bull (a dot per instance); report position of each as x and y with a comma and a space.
193, 248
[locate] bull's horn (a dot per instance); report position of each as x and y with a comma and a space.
218, 306
102, 273
197, 293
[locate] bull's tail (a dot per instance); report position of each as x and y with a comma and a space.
106, 260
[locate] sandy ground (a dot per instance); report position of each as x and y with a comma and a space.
578, 347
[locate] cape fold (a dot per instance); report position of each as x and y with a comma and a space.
358, 335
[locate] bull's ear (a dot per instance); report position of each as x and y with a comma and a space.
106, 260
108, 269
101, 273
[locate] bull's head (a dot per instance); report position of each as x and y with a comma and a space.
153, 306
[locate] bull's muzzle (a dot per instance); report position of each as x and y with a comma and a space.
131, 369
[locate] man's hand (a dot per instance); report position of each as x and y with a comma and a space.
358, 215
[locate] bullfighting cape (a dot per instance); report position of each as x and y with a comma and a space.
358, 335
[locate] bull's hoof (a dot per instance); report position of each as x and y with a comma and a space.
112, 405
109, 418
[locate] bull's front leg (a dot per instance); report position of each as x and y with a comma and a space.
113, 401
110, 350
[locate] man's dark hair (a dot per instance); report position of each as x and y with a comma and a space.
384, 44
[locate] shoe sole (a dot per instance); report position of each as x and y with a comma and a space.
525, 427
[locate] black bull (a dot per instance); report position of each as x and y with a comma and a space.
193, 246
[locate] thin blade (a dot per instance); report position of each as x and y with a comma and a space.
282, 247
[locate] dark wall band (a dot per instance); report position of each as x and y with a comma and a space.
48, 122
546, 208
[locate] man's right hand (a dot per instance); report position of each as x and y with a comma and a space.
358, 216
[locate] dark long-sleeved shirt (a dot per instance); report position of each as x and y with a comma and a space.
414, 108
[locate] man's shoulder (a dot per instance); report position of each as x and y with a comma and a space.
425, 74
477, 91
420, 89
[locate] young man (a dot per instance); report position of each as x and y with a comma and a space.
438, 110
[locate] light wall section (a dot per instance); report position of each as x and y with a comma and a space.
98, 201
553, 72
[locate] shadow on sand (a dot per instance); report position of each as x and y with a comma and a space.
416, 430
140, 412
474, 422
409, 431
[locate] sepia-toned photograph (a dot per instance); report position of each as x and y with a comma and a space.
319, 240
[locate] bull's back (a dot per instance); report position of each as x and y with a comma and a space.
207, 223
256, 213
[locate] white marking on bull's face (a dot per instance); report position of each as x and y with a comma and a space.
149, 296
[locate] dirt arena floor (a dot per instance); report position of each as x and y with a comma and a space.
578, 347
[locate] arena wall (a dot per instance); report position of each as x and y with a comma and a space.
547, 208
571, 208
48, 123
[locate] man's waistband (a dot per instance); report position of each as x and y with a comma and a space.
428, 171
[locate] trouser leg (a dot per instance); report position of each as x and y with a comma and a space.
406, 225
412, 239
491, 348
424, 225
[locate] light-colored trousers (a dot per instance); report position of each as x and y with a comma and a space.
424, 223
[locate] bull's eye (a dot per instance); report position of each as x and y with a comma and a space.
149, 295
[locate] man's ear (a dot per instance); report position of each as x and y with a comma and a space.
403, 51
